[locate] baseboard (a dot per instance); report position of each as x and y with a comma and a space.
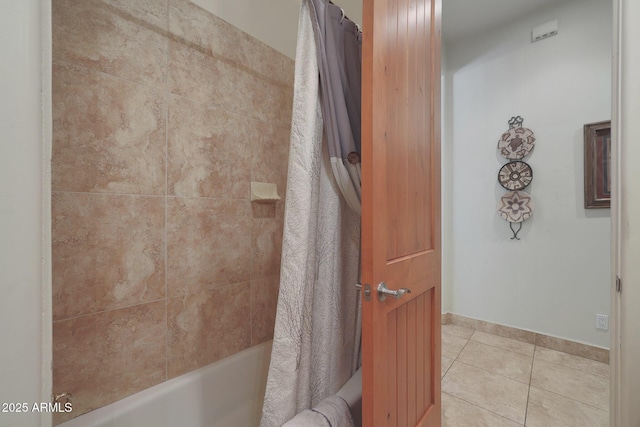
566, 346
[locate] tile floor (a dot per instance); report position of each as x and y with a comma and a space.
490, 381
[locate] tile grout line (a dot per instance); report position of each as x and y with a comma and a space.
455, 358
505, 338
490, 345
480, 407
166, 201
572, 399
166, 248
108, 310
140, 303
576, 369
459, 353
252, 144
104, 193
526, 408
503, 349
490, 372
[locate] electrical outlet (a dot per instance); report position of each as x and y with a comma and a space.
602, 322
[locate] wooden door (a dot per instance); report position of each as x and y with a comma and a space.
401, 212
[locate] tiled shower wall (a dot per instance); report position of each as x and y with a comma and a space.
163, 115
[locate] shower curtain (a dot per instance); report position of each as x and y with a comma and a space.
317, 331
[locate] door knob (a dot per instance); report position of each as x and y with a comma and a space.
383, 291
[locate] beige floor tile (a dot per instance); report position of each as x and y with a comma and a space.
571, 361
572, 383
452, 345
498, 361
498, 394
458, 413
550, 410
446, 364
504, 343
458, 331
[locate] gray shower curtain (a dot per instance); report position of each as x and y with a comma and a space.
317, 332
339, 52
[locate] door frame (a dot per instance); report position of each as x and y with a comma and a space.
625, 207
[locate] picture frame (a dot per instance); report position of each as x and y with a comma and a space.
597, 165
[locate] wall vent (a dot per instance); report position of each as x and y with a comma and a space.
544, 31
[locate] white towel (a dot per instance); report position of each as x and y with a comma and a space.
331, 412
307, 418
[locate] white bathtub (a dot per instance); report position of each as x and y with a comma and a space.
227, 393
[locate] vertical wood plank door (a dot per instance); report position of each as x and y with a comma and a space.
401, 239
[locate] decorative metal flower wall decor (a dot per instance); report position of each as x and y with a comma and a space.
516, 206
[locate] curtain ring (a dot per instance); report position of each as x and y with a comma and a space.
342, 15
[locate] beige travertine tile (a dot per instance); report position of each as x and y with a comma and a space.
207, 326
498, 361
197, 75
193, 26
264, 301
190, 25
107, 252
458, 331
271, 102
503, 343
571, 361
446, 364
108, 133
547, 409
498, 394
146, 13
575, 384
107, 356
209, 151
446, 318
559, 344
266, 246
452, 345
494, 328
266, 210
112, 67
458, 413
272, 64
575, 348
270, 151
122, 38
208, 244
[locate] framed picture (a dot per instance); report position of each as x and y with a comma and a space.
597, 165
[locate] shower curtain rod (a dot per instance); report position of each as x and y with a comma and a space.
344, 16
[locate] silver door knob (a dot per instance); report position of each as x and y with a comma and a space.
383, 291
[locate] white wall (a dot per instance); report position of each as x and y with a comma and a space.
25, 316
556, 278
274, 22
